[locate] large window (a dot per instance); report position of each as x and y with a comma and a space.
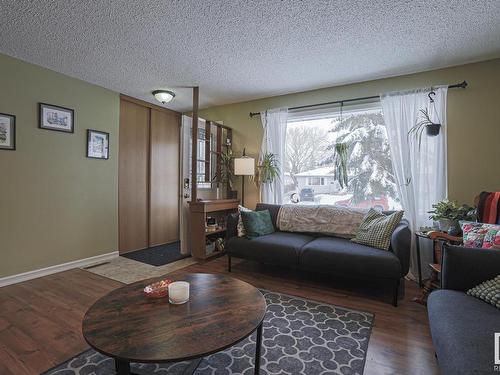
312, 144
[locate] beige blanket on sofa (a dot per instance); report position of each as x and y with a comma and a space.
330, 220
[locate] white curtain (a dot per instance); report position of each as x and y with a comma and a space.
274, 123
421, 173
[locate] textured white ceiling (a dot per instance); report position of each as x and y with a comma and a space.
238, 50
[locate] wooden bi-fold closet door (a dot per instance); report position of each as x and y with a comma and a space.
133, 177
164, 187
148, 188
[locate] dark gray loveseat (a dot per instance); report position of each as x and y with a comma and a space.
462, 326
319, 253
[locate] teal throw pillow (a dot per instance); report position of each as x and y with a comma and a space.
257, 223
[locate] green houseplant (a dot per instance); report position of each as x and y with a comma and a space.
424, 122
341, 159
225, 175
449, 213
268, 170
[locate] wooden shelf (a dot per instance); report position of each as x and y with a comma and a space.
199, 210
208, 233
214, 205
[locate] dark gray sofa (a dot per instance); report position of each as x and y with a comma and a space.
324, 254
462, 326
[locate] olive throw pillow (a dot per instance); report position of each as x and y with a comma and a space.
257, 223
489, 291
376, 229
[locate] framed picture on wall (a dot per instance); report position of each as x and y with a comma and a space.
7, 132
97, 144
53, 117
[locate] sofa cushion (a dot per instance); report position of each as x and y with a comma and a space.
377, 228
277, 248
488, 291
343, 257
462, 329
257, 223
474, 233
241, 227
273, 209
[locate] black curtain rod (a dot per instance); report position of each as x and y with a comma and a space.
461, 85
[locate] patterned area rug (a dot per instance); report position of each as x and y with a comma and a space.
300, 337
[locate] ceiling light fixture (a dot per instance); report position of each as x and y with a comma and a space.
163, 96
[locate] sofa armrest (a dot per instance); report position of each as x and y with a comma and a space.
232, 225
464, 268
401, 246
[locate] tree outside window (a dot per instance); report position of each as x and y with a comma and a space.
310, 158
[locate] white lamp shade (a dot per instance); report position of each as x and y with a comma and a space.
163, 96
244, 166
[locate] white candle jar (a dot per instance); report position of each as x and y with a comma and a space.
178, 292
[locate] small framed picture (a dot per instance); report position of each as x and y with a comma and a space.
97, 144
53, 117
7, 132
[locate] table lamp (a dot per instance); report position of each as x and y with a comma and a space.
244, 166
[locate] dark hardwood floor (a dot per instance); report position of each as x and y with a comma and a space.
40, 320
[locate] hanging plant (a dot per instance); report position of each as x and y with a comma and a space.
341, 159
424, 122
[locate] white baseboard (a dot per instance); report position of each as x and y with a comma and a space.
57, 268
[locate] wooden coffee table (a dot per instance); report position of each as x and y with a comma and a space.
130, 327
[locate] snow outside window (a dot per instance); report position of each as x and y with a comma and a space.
310, 175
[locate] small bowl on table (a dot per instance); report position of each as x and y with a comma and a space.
158, 289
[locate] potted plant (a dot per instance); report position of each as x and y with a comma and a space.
449, 213
225, 174
424, 122
268, 170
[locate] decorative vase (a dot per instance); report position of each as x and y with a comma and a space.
453, 230
444, 224
433, 129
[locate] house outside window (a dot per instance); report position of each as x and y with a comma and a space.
316, 181
310, 173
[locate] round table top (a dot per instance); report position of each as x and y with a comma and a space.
127, 325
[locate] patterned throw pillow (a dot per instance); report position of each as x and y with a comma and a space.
376, 229
241, 228
257, 223
489, 291
481, 235
492, 238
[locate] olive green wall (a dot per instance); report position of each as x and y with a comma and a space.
56, 205
473, 122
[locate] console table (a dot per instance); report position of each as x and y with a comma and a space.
219, 208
